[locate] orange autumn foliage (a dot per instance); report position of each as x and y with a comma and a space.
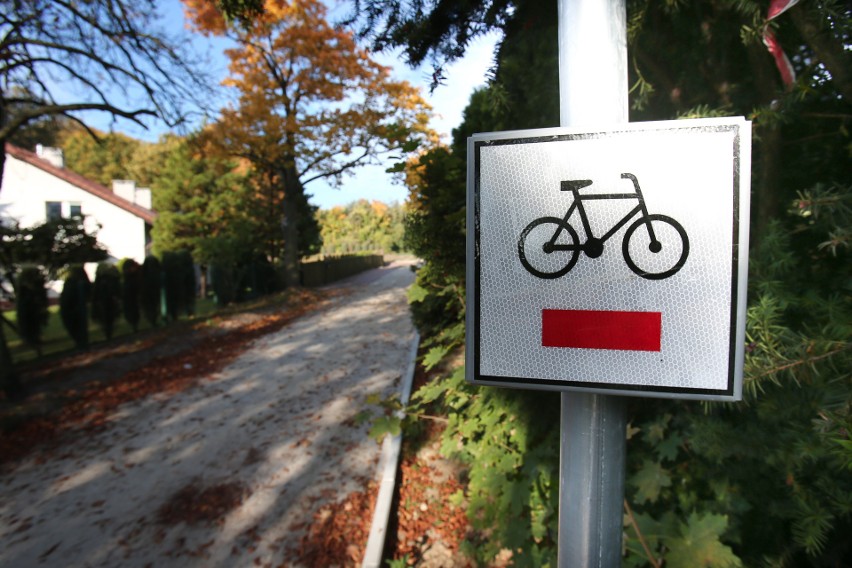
311, 104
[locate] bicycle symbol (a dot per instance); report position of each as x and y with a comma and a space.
655, 253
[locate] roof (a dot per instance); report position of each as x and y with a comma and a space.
83, 183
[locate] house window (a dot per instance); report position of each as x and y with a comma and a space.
53, 210
75, 210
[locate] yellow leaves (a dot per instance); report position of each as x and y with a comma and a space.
204, 17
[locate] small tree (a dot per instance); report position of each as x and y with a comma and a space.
151, 289
189, 284
106, 297
172, 290
31, 305
73, 307
131, 285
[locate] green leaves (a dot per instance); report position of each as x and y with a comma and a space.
699, 544
385, 425
650, 481
416, 293
434, 356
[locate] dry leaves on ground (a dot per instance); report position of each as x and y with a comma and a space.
90, 407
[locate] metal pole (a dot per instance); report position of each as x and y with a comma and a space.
592, 91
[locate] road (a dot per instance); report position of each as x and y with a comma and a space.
232, 471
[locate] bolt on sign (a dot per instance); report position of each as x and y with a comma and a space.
610, 260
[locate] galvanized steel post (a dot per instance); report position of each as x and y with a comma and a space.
592, 91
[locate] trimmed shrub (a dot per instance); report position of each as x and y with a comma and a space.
73, 308
151, 289
172, 284
131, 286
189, 281
224, 281
106, 297
31, 305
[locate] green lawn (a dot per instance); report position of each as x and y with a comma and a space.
56, 340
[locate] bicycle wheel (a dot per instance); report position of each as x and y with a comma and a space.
655, 261
542, 259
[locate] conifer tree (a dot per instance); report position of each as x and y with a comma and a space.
106, 297
74, 305
763, 482
31, 305
152, 288
131, 284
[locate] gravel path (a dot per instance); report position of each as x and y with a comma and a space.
231, 472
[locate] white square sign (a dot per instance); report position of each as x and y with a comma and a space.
610, 260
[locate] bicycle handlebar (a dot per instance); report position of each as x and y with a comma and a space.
632, 178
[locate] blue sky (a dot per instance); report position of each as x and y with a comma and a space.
370, 182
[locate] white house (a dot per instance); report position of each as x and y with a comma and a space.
37, 187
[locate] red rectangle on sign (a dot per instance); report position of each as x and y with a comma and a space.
592, 329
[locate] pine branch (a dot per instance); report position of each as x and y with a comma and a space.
794, 364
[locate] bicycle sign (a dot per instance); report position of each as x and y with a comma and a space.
611, 260
662, 236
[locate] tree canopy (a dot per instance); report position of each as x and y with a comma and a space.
312, 105
63, 57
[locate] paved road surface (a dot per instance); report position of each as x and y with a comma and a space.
274, 427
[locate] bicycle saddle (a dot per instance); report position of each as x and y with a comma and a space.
575, 184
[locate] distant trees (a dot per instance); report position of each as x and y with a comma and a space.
362, 226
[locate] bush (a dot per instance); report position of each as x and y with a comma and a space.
190, 285
224, 280
31, 305
131, 286
178, 283
106, 297
73, 308
151, 289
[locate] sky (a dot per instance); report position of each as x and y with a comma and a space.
369, 182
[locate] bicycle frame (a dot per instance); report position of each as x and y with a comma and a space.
574, 187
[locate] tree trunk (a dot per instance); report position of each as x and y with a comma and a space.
766, 190
293, 193
831, 52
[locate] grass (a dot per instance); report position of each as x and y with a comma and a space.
55, 340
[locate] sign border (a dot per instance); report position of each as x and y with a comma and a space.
739, 257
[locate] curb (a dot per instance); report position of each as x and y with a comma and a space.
387, 469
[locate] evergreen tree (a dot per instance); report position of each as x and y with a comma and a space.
31, 305
74, 305
106, 297
764, 482
131, 285
152, 287
51, 246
